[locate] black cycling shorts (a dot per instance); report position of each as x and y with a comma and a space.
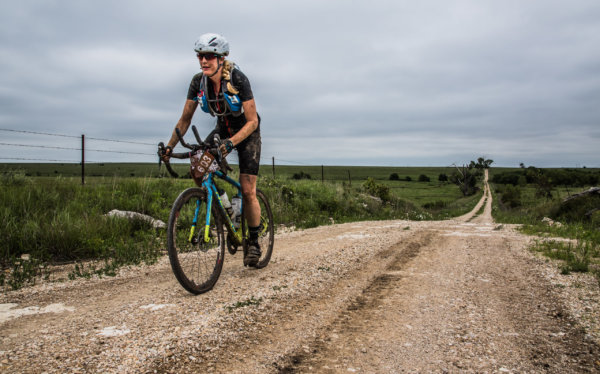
249, 154
248, 151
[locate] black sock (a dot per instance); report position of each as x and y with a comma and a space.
253, 231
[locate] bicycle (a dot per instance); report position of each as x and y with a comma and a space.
197, 254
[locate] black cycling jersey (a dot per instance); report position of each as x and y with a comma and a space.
231, 123
249, 149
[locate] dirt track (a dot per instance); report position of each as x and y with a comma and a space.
462, 295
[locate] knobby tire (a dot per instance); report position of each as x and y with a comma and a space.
196, 265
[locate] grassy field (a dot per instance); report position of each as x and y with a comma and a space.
331, 173
47, 216
424, 194
575, 220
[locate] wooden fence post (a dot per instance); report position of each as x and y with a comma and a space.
82, 159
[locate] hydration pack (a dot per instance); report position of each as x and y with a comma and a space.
224, 104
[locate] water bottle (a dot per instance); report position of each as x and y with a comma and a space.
236, 204
227, 204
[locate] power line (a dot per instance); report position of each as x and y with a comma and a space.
76, 149
129, 153
76, 137
36, 159
40, 133
291, 162
120, 141
40, 146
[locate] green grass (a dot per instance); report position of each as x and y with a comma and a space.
581, 255
54, 219
330, 173
242, 304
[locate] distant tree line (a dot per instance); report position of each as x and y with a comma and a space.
422, 178
553, 177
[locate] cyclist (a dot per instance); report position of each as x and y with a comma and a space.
224, 92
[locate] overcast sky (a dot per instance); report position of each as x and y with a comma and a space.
391, 83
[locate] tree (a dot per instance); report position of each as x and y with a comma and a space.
424, 178
543, 186
482, 163
394, 177
466, 179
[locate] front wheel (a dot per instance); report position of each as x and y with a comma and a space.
196, 254
266, 236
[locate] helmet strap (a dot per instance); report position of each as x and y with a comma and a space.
218, 68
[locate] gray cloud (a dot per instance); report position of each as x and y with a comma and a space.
337, 82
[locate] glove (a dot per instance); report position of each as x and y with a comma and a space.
226, 147
166, 156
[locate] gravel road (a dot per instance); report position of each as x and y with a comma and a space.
462, 295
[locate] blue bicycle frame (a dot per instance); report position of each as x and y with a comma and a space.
211, 188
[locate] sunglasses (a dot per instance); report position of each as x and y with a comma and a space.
206, 56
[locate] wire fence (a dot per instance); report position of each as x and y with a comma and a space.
79, 147
79, 155
87, 150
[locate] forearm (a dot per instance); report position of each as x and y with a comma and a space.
251, 122
184, 122
183, 126
244, 132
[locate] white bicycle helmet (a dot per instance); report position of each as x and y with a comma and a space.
212, 43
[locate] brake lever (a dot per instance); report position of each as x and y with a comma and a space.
161, 152
222, 161
217, 143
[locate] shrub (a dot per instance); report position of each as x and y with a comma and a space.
466, 181
424, 178
443, 178
511, 196
580, 209
301, 175
378, 190
435, 205
394, 177
14, 178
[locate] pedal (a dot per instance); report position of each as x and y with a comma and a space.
231, 248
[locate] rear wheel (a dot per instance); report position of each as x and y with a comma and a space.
266, 236
196, 256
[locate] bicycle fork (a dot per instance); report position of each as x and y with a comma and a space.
193, 239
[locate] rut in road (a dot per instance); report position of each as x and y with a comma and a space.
461, 300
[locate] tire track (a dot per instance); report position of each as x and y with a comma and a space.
348, 322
